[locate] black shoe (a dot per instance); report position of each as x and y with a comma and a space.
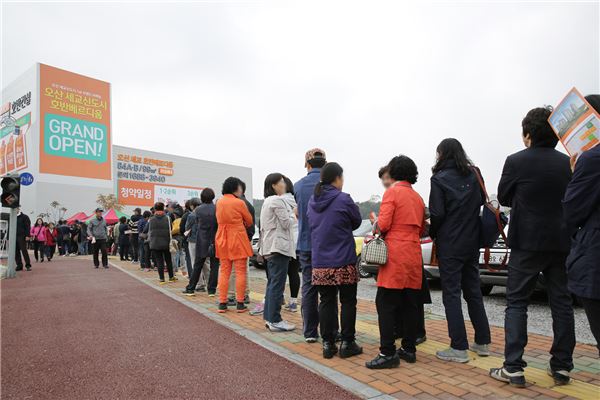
246, 299
349, 349
420, 340
222, 307
231, 302
338, 337
189, 292
329, 350
410, 358
383, 362
19, 269
560, 377
241, 307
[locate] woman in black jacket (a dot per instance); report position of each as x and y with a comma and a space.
159, 240
455, 201
206, 229
123, 239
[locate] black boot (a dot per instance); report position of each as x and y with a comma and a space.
383, 362
329, 349
349, 349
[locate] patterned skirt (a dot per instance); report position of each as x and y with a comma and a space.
347, 275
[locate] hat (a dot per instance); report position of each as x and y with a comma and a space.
99, 210
312, 154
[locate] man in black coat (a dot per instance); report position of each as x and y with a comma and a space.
582, 212
533, 184
23, 229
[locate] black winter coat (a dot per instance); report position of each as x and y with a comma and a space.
206, 228
455, 201
582, 211
159, 232
533, 184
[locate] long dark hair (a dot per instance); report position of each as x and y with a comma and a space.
329, 173
451, 150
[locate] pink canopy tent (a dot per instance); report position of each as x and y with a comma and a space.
80, 216
110, 216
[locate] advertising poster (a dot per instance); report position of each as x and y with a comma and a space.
75, 132
144, 180
576, 123
13, 139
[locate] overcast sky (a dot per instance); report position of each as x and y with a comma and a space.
258, 83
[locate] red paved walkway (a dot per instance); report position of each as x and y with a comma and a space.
72, 332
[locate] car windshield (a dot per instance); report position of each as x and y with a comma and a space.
364, 229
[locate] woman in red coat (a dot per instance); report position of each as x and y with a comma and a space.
51, 235
399, 281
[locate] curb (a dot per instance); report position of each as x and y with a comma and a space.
344, 381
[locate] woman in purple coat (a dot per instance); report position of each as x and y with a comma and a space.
332, 216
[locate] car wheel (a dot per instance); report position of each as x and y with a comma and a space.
486, 289
361, 272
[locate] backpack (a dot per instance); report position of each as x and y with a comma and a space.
176, 227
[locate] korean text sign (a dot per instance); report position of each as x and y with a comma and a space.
75, 134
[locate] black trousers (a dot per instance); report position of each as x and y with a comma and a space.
134, 246
391, 304
100, 246
124, 249
421, 332
163, 257
212, 278
50, 249
523, 272
294, 277
39, 248
592, 310
22, 249
328, 318
462, 273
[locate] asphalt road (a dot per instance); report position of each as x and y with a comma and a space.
73, 332
539, 320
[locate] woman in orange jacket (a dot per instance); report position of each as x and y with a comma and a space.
399, 281
231, 243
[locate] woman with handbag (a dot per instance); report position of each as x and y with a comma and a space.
332, 216
159, 239
455, 202
399, 281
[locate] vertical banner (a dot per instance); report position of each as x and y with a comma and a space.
75, 132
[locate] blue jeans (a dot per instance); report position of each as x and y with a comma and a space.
456, 273
277, 267
83, 248
141, 254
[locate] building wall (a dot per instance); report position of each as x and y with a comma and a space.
143, 177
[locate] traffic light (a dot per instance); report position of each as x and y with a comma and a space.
11, 190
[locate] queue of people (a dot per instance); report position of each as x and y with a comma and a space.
307, 227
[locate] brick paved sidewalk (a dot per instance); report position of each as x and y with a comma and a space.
428, 378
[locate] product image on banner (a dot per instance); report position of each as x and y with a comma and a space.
75, 138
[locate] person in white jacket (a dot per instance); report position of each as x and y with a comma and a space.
277, 246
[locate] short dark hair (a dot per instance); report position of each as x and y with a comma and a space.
383, 171
537, 126
147, 214
123, 220
271, 180
289, 185
231, 185
402, 168
318, 161
187, 204
243, 185
159, 206
207, 195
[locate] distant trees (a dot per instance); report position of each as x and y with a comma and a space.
108, 201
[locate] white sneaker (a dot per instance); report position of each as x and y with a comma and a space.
281, 326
